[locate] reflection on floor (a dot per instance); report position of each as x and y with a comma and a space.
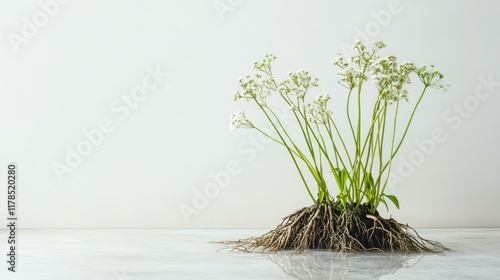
186, 254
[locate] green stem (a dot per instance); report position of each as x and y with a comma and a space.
287, 147
406, 129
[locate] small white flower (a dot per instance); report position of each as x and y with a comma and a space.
317, 110
431, 78
339, 61
379, 45
297, 84
264, 65
239, 120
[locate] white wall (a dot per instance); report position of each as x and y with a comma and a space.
70, 74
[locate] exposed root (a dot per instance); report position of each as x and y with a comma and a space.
325, 227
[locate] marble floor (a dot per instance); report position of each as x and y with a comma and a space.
187, 254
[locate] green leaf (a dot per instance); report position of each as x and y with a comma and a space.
393, 199
343, 176
369, 184
385, 203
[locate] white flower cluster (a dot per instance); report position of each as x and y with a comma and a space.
297, 84
350, 76
254, 88
318, 110
239, 120
389, 77
258, 88
264, 65
431, 78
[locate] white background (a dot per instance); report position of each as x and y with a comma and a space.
64, 77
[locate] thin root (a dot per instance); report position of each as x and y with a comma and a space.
324, 227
